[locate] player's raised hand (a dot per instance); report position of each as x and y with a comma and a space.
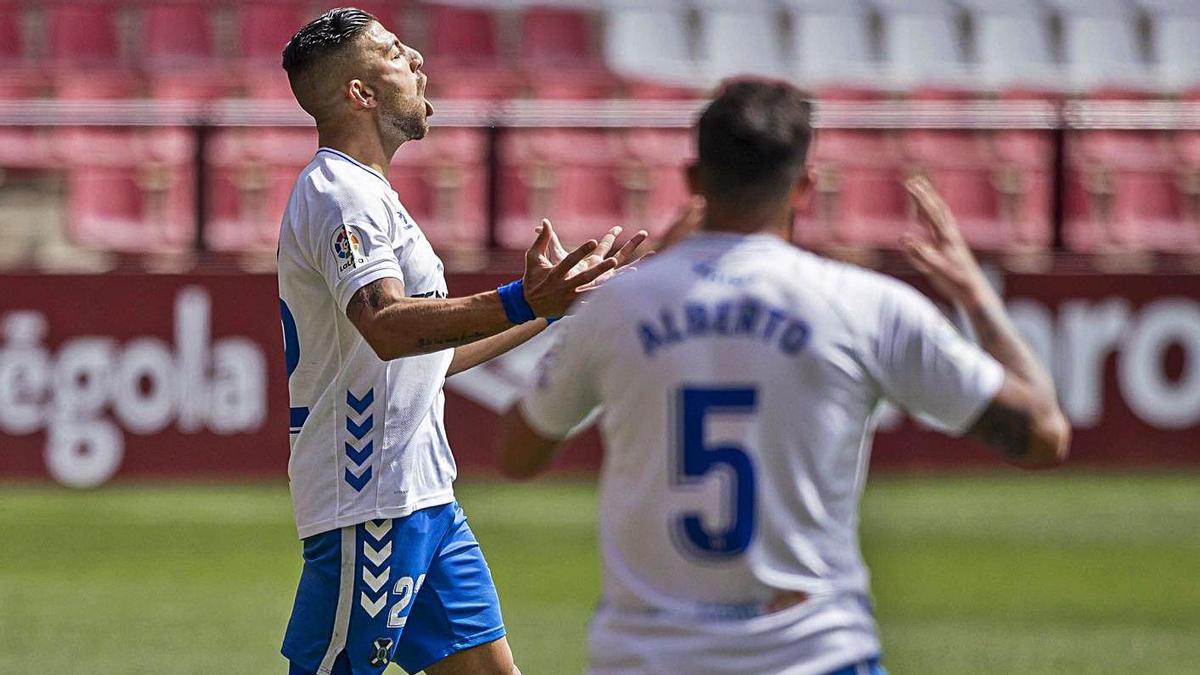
550, 287
626, 256
942, 255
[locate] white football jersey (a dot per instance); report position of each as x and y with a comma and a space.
367, 436
739, 377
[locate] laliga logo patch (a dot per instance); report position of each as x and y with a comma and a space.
381, 652
346, 245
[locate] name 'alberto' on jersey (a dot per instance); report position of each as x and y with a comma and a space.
367, 436
739, 378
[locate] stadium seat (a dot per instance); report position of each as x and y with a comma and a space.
570, 176
265, 27
147, 208
738, 38
88, 52
442, 183
653, 175
1012, 43
13, 49
648, 41
252, 172
1175, 25
1124, 191
921, 42
859, 197
557, 36
177, 34
1100, 43
462, 35
831, 41
85, 34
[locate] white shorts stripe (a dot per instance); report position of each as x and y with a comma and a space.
341, 620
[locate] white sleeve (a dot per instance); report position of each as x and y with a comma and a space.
926, 367
357, 252
564, 392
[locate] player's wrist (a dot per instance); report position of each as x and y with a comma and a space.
516, 306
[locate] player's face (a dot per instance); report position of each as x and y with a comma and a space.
399, 84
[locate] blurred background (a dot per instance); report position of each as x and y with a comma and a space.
147, 149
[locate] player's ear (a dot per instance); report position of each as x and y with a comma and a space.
802, 190
693, 178
360, 94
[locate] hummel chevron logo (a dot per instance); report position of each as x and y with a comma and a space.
360, 430
378, 532
377, 557
358, 482
376, 582
372, 608
360, 456
360, 405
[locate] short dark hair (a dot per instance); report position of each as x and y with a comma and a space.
329, 33
754, 136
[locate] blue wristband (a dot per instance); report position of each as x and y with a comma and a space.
552, 319
516, 307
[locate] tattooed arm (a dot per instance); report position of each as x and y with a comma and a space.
469, 356
1023, 421
395, 325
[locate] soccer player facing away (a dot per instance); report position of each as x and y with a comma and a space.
392, 572
739, 377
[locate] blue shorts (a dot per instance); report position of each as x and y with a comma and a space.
409, 591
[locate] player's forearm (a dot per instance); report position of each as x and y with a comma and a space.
471, 355
410, 326
999, 337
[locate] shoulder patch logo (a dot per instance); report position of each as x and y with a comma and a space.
347, 248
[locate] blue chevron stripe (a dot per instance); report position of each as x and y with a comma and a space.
362, 455
360, 430
358, 482
360, 405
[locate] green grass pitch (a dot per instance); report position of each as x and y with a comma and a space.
1003, 573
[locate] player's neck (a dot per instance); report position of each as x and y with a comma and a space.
735, 221
367, 149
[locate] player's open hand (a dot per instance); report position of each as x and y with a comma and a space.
942, 255
626, 255
551, 283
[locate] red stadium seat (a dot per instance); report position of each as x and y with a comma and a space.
12, 39
653, 176
144, 208
265, 28
252, 175
442, 183
962, 164
472, 82
462, 34
557, 36
1124, 191
180, 53
178, 33
569, 176
859, 198
84, 34
1127, 189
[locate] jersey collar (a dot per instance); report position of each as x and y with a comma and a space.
355, 162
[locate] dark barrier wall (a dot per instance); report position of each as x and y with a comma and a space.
161, 375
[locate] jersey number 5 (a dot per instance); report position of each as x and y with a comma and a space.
696, 458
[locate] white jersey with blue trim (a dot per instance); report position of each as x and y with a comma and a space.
367, 436
739, 379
